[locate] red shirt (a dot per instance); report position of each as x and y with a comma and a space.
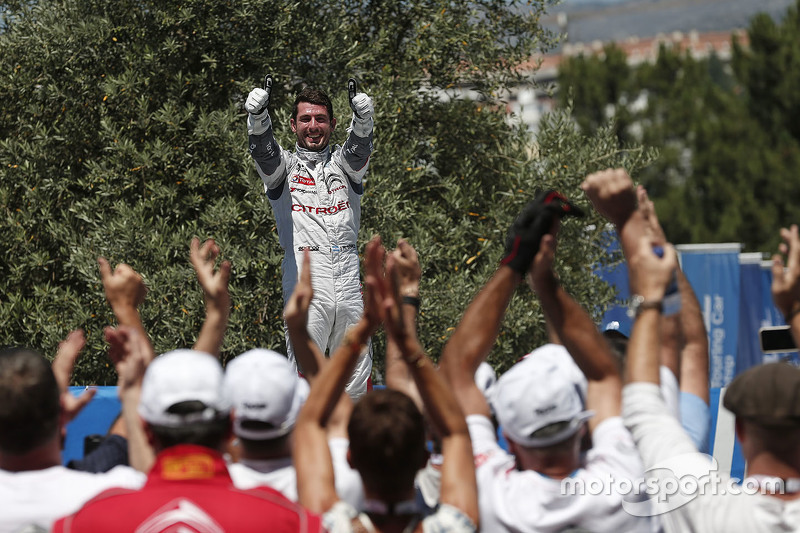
189, 489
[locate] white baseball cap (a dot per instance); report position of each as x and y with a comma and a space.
535, 394
556, 355
181, 376
262, 386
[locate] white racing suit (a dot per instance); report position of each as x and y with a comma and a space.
316, 197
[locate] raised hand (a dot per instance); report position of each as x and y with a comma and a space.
786, 273
363, 110
407, 268
540, 216
214, 283
257, 107
612, 194
648, 211
296, 311
542, 268
68, 352
378, 289
124, 287
130, 354
650, 274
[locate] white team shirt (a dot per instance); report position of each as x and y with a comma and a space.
528, 502
37, 498
280, 475
662, 441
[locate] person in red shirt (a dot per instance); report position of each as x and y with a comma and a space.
187, 420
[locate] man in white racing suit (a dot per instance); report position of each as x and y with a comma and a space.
315, 193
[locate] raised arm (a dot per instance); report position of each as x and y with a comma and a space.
130, 354
580, 336
312, 458
474, 337
357, 148
480, 325
68, 352
786, 279
648, 277
266, 152
459, 487
613, 195
309, 357
694, 356
125, 292
408, 274
672, 336
215, 294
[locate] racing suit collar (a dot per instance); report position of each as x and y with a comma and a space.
312, 158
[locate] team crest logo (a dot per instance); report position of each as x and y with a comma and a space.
303, 180
180, 516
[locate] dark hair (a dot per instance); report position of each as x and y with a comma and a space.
271, 446
209, 433
387, 442
30, 406
551, 429
312, 96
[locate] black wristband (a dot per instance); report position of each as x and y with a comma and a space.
411, 300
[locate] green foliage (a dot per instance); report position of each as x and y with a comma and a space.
609, 77
728, 134
122, 135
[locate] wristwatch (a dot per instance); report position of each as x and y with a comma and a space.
639, 304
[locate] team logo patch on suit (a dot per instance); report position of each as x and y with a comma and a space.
180, 515
303, 180
195, 466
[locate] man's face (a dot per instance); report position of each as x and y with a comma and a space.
312, 126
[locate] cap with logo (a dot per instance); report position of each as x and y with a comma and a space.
557, 356
535, 394
262, 386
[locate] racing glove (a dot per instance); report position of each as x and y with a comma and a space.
535, 220
363, 110
258, 119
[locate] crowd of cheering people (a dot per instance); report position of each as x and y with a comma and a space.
255, 447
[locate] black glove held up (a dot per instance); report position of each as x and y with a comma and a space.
535, 220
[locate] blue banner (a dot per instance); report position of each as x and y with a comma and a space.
714, 273
750, 312
95, 419
770, 316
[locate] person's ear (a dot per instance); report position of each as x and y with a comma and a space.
62, 422
333, 123
739, 428
151, 437
293, 124
512, 446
